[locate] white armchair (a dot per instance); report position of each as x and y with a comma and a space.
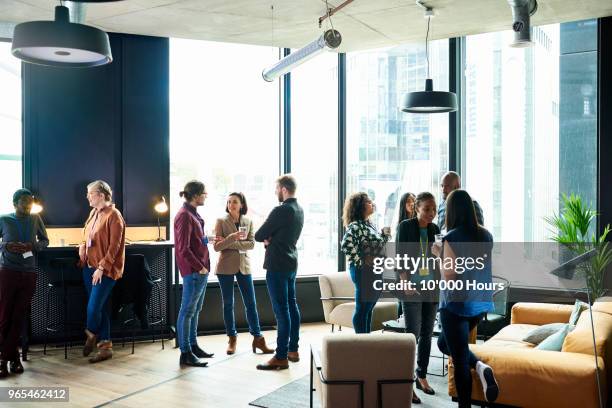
338, 297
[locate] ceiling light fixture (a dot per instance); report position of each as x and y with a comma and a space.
61, 43
330, 39
522, 10
428, 101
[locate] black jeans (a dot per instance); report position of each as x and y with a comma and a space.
453, 341
420, 318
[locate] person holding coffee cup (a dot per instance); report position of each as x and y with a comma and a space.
420, 308
234, 237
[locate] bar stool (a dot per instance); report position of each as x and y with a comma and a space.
59, 284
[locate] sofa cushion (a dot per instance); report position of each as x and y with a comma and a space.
603, 304
540, 313
554, 342
539, 334
514, 332
580, 340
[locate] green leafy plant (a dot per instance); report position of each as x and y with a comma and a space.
571, 228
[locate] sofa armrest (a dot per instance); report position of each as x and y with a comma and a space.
548, 374
540, 313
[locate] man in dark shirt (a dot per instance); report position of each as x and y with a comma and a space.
23, 234
280, 233
450, 182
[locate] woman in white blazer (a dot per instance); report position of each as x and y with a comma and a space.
234, 238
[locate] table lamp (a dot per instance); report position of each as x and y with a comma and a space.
160, 208
37, 207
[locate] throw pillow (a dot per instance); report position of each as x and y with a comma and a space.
537, 335
554, 342
578, 308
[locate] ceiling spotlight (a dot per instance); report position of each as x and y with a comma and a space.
330, 39
61, 43
522, 10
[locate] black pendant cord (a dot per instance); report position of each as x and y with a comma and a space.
427, 45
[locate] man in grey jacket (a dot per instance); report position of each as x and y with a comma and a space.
449, 182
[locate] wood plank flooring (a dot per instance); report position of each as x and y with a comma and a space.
152, 377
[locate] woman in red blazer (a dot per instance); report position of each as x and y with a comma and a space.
193, 262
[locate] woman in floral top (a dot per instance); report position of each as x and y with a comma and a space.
361, 240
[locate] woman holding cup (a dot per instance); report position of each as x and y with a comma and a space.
420, 307
233, 238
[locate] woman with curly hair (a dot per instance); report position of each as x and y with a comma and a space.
361, 236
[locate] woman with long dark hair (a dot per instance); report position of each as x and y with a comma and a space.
360, 238
406, 207
462, 310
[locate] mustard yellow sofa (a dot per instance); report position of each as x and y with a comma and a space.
534, 378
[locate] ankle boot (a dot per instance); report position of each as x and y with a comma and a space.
3, 369
15, 366
231, 345
189, 359
90, 343
199, 353
274, 364
105, 352
260, 343
293, 356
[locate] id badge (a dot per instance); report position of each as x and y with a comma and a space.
205, 240
28, 254
423, 272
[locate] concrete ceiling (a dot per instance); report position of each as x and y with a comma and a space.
364, 24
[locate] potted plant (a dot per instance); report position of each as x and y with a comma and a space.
571, 228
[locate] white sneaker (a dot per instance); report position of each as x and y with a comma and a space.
487, 379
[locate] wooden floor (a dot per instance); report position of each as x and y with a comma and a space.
152, 377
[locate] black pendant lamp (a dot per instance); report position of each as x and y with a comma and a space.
61, 43
429, 101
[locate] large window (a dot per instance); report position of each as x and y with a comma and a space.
224, 129
10, 123
530, 126
314, 160
390, 152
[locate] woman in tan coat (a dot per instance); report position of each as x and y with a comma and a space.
234, 237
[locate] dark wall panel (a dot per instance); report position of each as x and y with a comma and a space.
72, 131
107, 123
145, 126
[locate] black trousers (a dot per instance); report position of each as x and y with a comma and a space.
420, 318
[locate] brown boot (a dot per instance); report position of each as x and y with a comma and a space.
274, 364
105, 352
231, 345
260, 343
293, 356
90, 343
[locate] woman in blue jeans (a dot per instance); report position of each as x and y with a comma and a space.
102, 256
193, 261
361, 240
234, 237
462, 309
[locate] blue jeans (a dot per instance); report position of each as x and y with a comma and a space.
453, 341
194, 288
98, 313
281, 287
245, 283
365, 300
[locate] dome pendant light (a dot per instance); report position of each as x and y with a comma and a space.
429, 101
61, 43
